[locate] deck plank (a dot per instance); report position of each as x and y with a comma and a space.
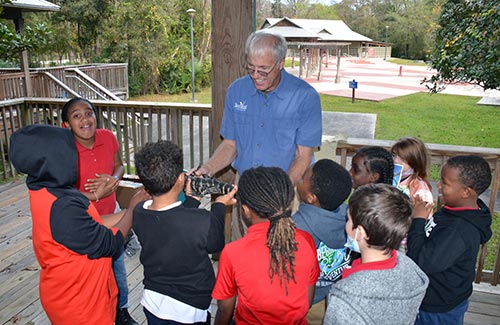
19, 271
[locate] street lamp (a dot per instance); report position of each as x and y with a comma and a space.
191, 13
385, 50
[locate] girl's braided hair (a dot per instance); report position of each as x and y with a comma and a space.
378, 160
268, 192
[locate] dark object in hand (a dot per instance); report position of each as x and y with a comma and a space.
201, 186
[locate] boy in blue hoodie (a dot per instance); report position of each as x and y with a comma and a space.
446, 247
323, 214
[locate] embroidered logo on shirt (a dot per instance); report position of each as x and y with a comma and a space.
241, 106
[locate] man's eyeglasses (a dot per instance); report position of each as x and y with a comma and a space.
261, 73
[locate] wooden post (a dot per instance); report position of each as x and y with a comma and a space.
232, 22
319, 64
337, 75
28, 91
231, 25
301, 61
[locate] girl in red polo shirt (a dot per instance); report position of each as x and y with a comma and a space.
100, 169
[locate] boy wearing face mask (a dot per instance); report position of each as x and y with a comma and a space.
381, 287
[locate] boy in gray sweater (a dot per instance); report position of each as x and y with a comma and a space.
381, 287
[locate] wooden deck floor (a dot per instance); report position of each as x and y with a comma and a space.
19, 271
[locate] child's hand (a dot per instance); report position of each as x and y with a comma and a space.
188, 190
104, 185
140, 196
228, 199
421, 209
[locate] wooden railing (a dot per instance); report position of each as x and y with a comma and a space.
345, 149
113, 77
134, 124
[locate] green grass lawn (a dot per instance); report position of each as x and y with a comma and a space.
438, 118
407, 62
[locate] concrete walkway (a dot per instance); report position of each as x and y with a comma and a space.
378, 80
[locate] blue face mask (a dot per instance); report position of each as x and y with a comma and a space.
352, 243
407, 173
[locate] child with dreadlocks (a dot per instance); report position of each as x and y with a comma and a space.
371, 164
273, 269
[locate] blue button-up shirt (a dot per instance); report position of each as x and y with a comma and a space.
267, 127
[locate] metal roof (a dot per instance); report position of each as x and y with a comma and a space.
325, 30
32, 5
291, 32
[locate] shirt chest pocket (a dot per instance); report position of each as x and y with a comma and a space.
285, 131
244, 125
243, 119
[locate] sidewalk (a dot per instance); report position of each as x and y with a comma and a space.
379, 80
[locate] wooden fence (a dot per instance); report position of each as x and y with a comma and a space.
134, 124
439, 154
113, 77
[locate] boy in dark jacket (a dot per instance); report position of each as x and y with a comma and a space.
176, 239
448, 254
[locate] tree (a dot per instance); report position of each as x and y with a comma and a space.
467, 43
410, 28
409, 23
88, 18
34, 38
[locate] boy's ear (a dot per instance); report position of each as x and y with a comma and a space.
246, 210
181, 179
246, 215
362, 233
467, 192
66, 125
311, 199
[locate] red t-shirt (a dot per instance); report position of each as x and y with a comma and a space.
378, 265
98, 160
244, 270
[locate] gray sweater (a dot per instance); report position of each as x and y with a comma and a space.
376, 297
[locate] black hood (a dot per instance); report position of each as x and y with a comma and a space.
481, 219
47, 154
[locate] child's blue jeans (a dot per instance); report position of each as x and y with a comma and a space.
454, 316
121, 280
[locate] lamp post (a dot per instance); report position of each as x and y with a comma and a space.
385, 48
191, 13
